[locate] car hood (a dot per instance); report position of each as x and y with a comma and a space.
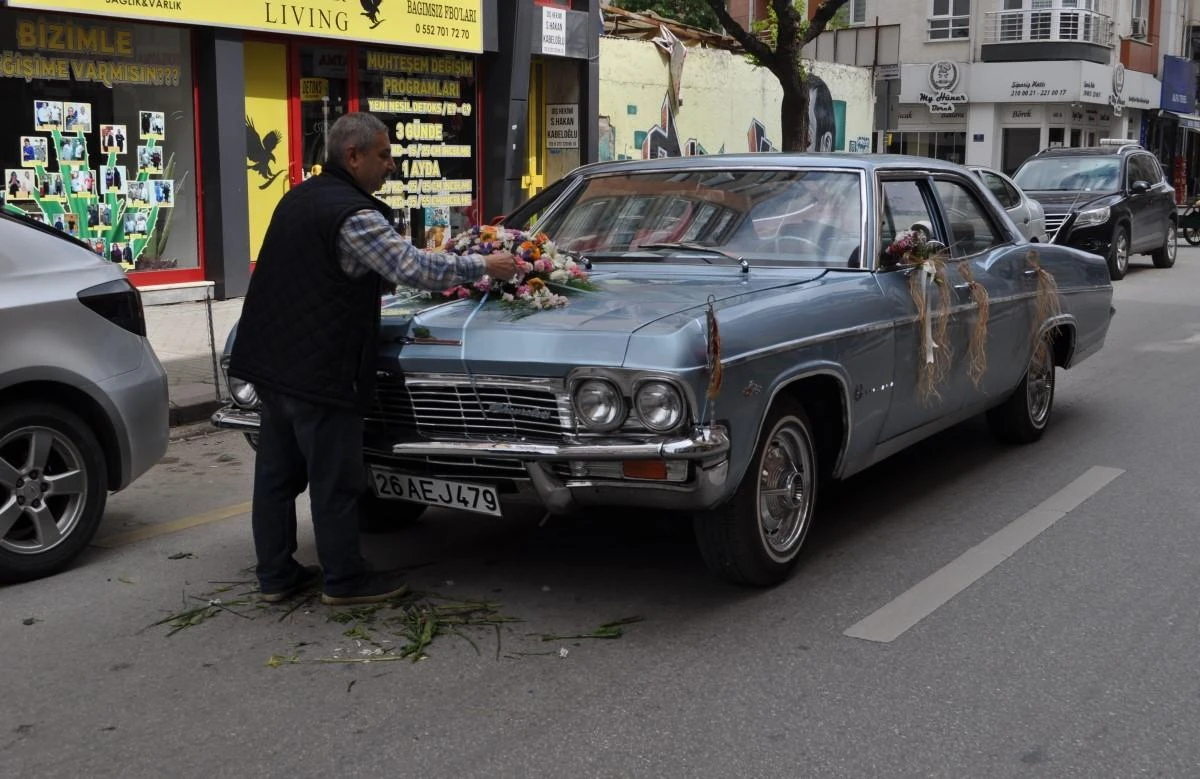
593, 329
1059, 202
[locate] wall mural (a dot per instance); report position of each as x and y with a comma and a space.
826, 122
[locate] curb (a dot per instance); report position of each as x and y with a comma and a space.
193, 412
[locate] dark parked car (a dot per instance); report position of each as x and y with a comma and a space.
83, 398
821, 353
1111, 200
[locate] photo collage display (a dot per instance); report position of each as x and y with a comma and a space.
112, 204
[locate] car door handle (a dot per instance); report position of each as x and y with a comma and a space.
962, 287
1030, 272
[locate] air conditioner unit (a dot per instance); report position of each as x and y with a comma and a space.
1138, 28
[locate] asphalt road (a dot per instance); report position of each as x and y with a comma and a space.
964, 610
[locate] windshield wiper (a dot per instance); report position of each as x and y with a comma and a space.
699, 247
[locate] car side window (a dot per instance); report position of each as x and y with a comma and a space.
1014, 196
1004, 193
971, 229
1145, 168
904, 204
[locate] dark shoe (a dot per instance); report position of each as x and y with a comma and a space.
376, 588
309, 575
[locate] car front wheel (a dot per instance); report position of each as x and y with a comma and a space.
1164, 256
756, 537
53, 488
1118, 253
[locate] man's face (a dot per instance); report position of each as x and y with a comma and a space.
372, 166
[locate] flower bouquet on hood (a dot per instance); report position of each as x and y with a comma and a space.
544, 275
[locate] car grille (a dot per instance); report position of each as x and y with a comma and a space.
465, 468
1053, 222
486, 408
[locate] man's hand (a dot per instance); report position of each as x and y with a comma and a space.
501, 265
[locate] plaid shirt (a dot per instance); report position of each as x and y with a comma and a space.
369, 243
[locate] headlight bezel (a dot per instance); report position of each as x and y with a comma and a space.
629, 382
619, 403
641, 386
243, 392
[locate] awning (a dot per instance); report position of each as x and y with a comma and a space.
1186, 121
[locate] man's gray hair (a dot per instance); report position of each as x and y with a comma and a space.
357, 130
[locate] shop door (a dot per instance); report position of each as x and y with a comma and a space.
535, 142
1017, 145
323, 84
268, 140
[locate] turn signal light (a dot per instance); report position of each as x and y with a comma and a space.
644, 469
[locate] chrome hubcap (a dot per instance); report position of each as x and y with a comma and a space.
43, 489
1039, 386
785, 490
1122, 251
1172, 238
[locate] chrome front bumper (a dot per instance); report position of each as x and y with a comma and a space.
707, 448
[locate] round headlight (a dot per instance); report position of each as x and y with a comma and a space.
659, 405
243, 392
599, 405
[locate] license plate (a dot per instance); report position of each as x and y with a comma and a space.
395, 485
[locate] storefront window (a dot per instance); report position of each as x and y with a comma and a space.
949, 146
98, 135
428, 101
324, 94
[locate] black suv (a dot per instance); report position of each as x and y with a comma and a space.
1110, 200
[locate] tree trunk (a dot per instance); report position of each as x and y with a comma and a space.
793, 115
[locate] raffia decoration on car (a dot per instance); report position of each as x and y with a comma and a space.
933, 362
977, 347
1046, 304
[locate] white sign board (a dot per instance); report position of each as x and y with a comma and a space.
554, 31
562, 126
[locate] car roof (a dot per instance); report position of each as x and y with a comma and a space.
1091, 151
846, 160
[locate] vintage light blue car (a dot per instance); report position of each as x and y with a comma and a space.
782, 272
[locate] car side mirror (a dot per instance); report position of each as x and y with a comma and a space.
1140, 187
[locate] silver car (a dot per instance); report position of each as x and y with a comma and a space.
83, 398
752, 336
1027, 214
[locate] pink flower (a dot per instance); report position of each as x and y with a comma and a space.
463, 292
484, 284
541, 266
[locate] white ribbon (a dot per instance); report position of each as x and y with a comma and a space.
928, 273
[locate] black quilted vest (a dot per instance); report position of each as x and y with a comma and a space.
307, 329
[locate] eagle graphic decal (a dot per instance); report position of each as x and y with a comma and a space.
260, 153
371, 11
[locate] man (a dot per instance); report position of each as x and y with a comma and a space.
328, 253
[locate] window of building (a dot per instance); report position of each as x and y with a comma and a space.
99, 137
948, 146
1138, 17
858, 11
950, 20
428, 101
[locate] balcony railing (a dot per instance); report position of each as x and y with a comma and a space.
1048, 25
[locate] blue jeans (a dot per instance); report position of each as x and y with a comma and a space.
302, 444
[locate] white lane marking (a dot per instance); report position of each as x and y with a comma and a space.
890, 622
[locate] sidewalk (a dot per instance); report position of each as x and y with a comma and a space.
179, 333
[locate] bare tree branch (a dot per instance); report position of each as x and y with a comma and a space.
750, 42
824, 13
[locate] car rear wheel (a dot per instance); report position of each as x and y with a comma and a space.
378, 515
756, 537
1022, 419
53, 488
1164, 256
1118, 253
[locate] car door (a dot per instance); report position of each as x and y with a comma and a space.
1162, 207
986, 253
1143, 229
907, 199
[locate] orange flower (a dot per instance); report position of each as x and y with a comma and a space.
536, 285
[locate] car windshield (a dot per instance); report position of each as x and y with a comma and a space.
783, 217
1070, 174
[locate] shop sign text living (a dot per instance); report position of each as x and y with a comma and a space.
442, 24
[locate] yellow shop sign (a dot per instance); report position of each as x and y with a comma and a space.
314, 89
448, 25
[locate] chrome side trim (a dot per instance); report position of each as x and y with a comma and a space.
799, 343
233, 418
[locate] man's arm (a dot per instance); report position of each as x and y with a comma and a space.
369, 242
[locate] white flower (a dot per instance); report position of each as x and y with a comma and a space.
559, 275
507, 297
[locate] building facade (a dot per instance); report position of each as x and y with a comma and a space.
990, 82
163, 133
